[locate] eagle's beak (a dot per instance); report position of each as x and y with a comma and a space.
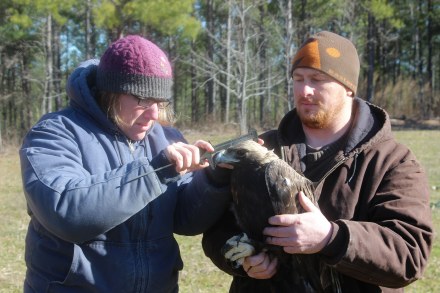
223, 157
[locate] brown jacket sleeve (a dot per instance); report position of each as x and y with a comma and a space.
385, 232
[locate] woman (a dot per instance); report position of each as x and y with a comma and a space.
107, 183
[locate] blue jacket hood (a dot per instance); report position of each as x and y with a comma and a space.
81, 90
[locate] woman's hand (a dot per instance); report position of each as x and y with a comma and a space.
186, 157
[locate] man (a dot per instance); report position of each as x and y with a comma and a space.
373, 226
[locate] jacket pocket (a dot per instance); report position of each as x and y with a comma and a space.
99, 267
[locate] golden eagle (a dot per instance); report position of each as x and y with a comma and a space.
263, 185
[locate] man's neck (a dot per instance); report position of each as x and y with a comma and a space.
318, 138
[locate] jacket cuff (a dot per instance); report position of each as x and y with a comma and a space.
337, 245
164, 169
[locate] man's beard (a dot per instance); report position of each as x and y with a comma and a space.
319, 119
316, 120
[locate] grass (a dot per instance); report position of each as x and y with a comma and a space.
13, 225
199, 274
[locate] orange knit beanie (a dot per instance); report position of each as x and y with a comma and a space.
332, 54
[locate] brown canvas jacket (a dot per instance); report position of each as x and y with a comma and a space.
376, 195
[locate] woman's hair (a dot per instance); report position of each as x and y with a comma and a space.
108, 102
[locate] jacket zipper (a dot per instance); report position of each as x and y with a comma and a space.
339, 163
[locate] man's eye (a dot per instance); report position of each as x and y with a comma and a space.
319, 79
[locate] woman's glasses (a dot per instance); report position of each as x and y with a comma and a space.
148, 102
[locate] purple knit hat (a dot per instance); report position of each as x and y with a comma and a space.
134, 65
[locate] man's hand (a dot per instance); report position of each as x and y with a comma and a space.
260, 266
305, 233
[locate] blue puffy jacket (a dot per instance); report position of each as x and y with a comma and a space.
102, 218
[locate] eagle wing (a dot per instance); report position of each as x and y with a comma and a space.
251, 204
283, 184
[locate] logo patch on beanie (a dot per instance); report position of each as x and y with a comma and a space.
333, 52
308, 56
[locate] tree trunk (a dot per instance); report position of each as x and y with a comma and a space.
262, 64
194, 105
430, 94
27, 105
47, 94
56, 55
243, 87
210, 48
289, 54
90, 37
228, 63
419, 62
371, 57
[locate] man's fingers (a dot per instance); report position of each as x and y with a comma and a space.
283, 220
260, 266
306, 203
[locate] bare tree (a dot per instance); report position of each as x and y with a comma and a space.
371, 57
288, 32
228, 62
246, 78
46, 104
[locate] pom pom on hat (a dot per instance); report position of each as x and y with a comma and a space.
135, 65
332, 54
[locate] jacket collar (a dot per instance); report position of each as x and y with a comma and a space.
371, 124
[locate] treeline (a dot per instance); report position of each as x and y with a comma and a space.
231, 58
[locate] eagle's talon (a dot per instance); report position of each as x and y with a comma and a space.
237, 248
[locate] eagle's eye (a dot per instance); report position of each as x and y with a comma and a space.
241, 153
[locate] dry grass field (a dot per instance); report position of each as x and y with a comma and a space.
198, 275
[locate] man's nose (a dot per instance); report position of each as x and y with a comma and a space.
305, 89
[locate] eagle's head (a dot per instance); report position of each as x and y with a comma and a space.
247, 151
